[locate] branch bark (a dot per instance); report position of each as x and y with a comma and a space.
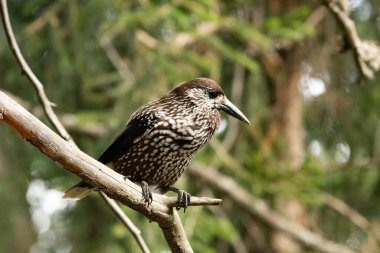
97, 174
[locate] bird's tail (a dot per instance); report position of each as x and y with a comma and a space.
78, 191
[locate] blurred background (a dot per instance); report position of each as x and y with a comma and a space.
312, 154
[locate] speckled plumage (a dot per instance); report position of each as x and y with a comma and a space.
160, 138
175, 127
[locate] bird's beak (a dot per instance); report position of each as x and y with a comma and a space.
232, 110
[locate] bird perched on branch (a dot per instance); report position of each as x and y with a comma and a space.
160, 138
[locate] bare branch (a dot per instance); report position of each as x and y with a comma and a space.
367, 52
195, 201
346, 211
50, 16
352, 215
261, 210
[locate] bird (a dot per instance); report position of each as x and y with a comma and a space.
160, 138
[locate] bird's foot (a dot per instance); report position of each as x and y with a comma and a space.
146, 193
183, 198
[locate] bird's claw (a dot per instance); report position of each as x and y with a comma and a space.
183, 198
146, 193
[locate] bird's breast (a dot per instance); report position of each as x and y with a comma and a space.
164, 152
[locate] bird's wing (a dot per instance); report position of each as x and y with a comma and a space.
136, 128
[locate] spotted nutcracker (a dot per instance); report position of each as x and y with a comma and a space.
160, 138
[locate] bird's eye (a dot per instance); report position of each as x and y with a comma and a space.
212, 94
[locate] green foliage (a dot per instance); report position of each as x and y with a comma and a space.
292, 25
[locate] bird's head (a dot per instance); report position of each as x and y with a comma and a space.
205, 93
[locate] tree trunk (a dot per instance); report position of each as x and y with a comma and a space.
284, 73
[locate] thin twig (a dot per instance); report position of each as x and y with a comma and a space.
116, 60
135, 231
50, 15
52, 117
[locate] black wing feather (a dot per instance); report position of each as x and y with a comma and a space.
124, 141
